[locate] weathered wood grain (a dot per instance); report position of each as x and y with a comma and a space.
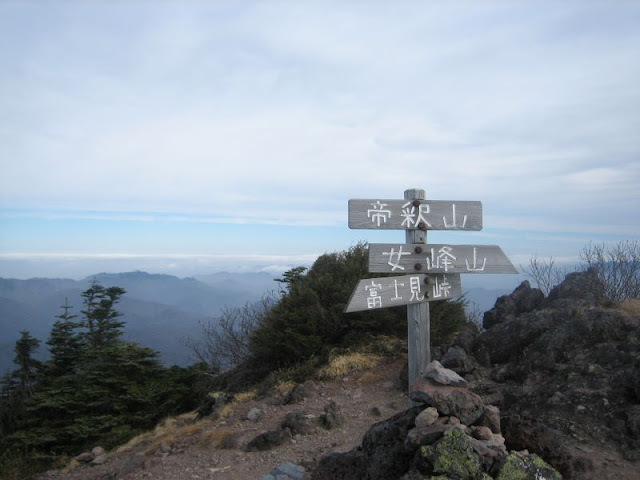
376, 293
418, 316
438, 258
404, 215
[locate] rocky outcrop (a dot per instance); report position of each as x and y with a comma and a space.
555, 378
565, 373
446, 436
508, 307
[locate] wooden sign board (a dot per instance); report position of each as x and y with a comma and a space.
375, 293
415, 214
432, 258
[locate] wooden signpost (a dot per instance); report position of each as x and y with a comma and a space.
410, 213
373, 293
429, 272
395, 258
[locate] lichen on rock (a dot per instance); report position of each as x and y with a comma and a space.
531, 467
453, 456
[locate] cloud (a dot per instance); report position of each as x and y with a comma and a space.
278, 113
80, 265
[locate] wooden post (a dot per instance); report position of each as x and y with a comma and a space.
418, 323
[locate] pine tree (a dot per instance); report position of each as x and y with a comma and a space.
103, 328
64, 343
28, 367
98, 389
17, 386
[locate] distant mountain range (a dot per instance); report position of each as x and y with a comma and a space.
159, 310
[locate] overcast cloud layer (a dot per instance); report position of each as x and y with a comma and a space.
276, 113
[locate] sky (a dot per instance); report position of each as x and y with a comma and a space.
188, 137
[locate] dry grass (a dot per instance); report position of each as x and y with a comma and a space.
169, 437
246, 396
227, 410
631, 306
165, 432
341, 365
283, 387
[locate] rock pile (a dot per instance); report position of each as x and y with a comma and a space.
451, 433
565, 372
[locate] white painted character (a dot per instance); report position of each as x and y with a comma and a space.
475, 267
414, 284
454, 222
396, 285
374, 300
409, 214
444, 259
441, 289
378, 214
395, 258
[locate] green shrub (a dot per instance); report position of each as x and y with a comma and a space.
309, 319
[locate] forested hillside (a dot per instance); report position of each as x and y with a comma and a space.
161, 310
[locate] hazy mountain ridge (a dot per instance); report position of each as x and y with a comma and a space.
159, 310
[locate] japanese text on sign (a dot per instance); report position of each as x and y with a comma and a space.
374, 293
438, 259
415, 214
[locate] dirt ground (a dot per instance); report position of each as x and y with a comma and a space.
216, 449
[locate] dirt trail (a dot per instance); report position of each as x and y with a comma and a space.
193, 452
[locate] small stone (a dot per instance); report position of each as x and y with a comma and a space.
481, 433
289, 470
332, 417
427, 417
97, 451
426, 435
453, 421
99, 460
254, 414
375, 412
299, 423
491, 418
443, 376
85, 457
269, 440
300, 392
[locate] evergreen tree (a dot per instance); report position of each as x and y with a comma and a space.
64, 343
98, 389
103, 328
17, 386
28, 367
